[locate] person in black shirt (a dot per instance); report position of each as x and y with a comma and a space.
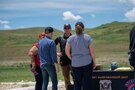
132, 49
65, 62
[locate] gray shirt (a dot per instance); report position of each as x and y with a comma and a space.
80, 54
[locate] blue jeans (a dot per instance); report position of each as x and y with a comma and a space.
82, 77
49, 70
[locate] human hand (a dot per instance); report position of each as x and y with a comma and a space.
59, 54
33, 66
57, 67
94, 65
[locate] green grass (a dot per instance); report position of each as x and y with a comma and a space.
15, 73
18, 72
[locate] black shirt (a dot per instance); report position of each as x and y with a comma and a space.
64, 60
132, 40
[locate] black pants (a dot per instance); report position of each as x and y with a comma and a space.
131, 57
132, 62
38, 78
82, 77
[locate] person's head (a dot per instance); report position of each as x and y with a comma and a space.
67, 28
41, 35
79, 28
49, 31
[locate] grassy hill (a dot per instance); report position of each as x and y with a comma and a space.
111, 42
21, 37
112, 32
15, 44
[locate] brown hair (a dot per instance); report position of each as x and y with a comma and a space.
79, 28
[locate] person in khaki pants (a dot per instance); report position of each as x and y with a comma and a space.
65, 62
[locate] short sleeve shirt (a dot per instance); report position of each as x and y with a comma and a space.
80, 53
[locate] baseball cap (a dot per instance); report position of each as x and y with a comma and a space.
48, 30
67, 26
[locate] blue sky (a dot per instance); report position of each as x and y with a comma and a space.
15, 14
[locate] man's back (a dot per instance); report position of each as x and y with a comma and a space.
47, 51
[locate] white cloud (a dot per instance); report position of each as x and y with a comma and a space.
12, 9
25, 5
38, 8
6, 26
93, 15
128, 1
70, 16
131, 14
132, 1
4, 22
123, 1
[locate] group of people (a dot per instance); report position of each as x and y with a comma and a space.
77, 58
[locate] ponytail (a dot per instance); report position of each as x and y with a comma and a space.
79, 28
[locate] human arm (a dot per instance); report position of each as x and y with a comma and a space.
57, 41
32, 52
92, 53
67, 50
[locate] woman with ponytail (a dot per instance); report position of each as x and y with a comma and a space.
80, 50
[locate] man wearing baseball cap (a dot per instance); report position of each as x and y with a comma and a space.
65, 62
48, 59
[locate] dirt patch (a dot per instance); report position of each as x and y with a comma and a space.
26, 85
12, 85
